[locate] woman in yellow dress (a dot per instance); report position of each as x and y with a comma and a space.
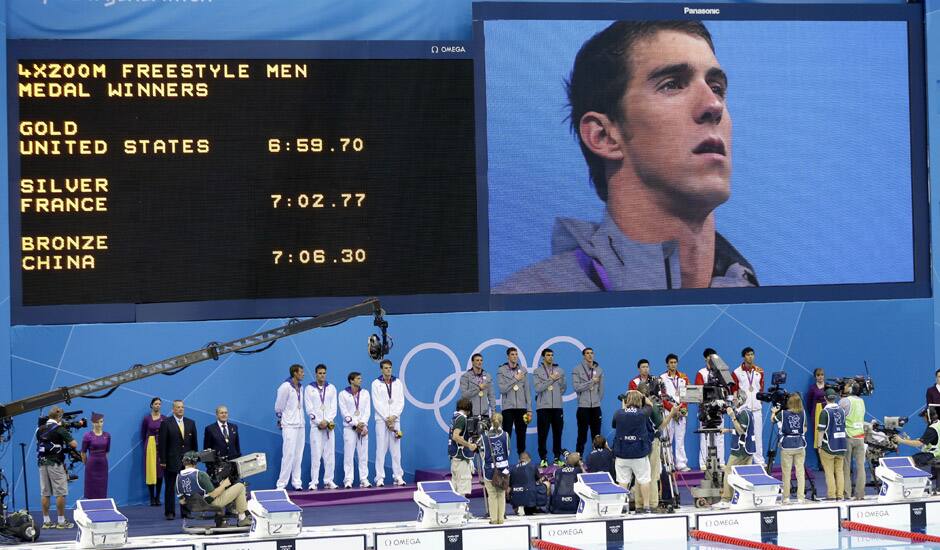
149, 429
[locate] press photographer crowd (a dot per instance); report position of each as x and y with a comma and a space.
642, 445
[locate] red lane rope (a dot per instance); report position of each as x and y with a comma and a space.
724, 539
919, 537
546, 545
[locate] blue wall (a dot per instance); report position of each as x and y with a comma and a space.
897, 338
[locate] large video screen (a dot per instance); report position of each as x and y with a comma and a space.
643, 148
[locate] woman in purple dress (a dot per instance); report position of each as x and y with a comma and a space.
149, 432
95, 447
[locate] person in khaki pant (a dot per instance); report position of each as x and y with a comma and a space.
743, 446
660, 420
496, 462
792, 427
832, 445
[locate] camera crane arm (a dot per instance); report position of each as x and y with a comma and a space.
211, 351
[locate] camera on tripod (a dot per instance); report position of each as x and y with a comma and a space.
775, 394
712, 396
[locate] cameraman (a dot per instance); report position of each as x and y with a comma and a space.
743, 445
191, 481
460, 449
52, 441
632, 444
660, 421
929, 443
854, 409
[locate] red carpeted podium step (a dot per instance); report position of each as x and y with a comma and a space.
372, 495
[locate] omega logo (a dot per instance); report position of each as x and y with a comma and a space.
402, 542
874, 514
565, 532
721, 522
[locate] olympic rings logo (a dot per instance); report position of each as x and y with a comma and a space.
453, 379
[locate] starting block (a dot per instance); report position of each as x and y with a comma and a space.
600, 496
439, 505
753, 488
274, 515
99, 523
900, 479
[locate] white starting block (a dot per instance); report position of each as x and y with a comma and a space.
274, 515
439, 505
753, 488
600, 496
900, 479
99, 523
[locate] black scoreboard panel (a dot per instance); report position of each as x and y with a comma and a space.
139, 181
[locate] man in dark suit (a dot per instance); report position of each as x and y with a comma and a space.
221, 436
177, 437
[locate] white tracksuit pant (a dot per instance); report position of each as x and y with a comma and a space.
759, 436
676, 430
353, 444
385, 441
703, 447
292, 454
322, 446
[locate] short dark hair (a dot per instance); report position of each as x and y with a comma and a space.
672, 356
352, 375
708, 353
294, 368
548, 350
464, 404
641, 361
935, 373
475, 355
600, 441
318, 367
510, 350
585, 350
384, 362
602, 72
747, 350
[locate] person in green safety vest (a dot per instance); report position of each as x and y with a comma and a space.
854, 409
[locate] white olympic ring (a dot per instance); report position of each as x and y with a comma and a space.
454, 377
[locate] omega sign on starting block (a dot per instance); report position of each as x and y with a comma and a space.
783, 527
665, 531
507, 537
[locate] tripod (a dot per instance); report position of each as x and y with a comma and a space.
669, 471
773, 444
709, 491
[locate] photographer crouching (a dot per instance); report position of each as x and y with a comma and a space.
53, 442
192, 481
929, 443
460, 448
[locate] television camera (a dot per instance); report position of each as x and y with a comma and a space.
775, 394
235, 469
864, 385
879, 437
477, 425
713, 400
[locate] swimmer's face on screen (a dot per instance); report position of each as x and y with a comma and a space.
677, 132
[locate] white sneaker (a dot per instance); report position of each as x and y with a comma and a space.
366, 485
801, 501
347, 485
312, 488
380, 483
329, 485
685, 469
398, 482
721, 505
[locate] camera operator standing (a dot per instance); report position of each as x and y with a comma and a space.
632, 444
792, 426
749, 379
460, 449
743, 445
52, 442
832, 445
854, 409
702, 377
660, 421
